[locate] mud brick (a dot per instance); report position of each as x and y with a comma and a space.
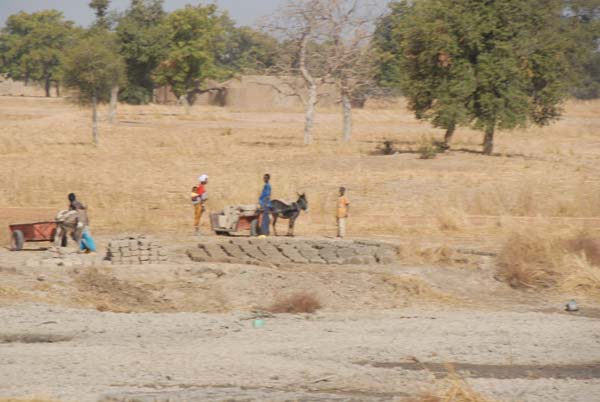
163, 258
328, 254
312, 255
234, 251
366, 250
125, 253
345, 252
162, 252
385, 256
272, 253
292, 254
133, 244
198, 255
214, 251
368, 260
252, 251
144, 253
144, 257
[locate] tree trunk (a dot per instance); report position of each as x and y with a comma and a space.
57, 89
47, 86
312, 90
112, 112
186, 103
347, 107
488, 141
95, 120
449, 134
310, 113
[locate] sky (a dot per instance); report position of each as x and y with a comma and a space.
245, 12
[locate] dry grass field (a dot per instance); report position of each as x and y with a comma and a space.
140, 175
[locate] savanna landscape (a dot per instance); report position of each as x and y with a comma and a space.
467, 274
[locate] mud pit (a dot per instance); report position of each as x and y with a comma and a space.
278, 251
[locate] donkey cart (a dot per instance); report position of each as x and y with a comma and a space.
237, 219
31, 232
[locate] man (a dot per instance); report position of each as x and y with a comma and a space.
265, 203
199, 200
343, 207
86, 242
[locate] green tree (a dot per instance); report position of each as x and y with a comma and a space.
143, 43
93, 67
31, 46
582, 21
100, 8
195, 36
492, 65
249, 51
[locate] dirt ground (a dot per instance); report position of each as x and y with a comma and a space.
83, 329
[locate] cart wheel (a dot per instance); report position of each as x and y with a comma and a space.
254, 228
18, 239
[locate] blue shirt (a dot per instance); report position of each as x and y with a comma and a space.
265, 196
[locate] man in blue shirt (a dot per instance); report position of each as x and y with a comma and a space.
265, 204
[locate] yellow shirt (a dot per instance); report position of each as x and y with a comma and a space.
342, 207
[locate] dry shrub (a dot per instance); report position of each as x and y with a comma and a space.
450, 220
416, 254
588, 245
416, 287
296, 303
535, 259
530, 259
452, 389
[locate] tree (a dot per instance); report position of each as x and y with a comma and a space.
100, 8
32, 44
348, 57
93, 68
301, 25
581, 19
143, 43
194, 34
250, 51
492, 65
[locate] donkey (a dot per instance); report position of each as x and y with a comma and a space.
67, 222
280, 209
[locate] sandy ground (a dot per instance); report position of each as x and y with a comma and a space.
384, 333
180, 331
175, 356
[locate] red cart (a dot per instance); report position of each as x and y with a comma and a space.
237, 219
31, 232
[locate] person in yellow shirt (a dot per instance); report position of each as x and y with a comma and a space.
343, 207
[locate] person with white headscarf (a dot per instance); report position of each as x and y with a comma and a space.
199, 197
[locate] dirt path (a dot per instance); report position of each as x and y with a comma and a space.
177, 356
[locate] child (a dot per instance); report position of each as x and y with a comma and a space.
343, 206
195, 197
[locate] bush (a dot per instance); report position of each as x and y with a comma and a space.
428, 148
537, 260
297, 303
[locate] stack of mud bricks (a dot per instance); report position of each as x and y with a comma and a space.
134, 250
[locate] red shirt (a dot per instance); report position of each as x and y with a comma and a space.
200, 190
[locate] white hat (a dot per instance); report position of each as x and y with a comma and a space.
202, 178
